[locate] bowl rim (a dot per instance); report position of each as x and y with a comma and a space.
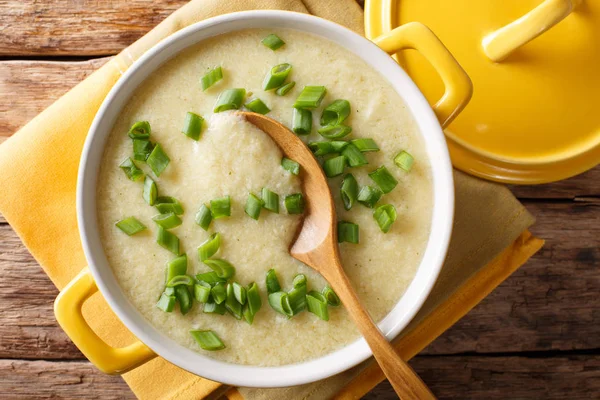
332, 363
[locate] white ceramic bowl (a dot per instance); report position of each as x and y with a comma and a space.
330, 364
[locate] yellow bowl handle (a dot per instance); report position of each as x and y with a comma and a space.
68, 310
415, 35
499, 44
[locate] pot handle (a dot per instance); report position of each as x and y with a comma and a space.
414, 35
68, 311
499, 44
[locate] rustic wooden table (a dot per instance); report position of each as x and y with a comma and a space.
536, 336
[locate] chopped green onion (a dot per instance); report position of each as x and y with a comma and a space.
202, 292
240, 293
181, 280
273, 42
167, 221
283, 90
192, 126
276, 76
209, 277
302, 121
209, 248
385, 215
150, 191
354, 156
369, 196
365, 144
211, 77
331, 296
167, 204
290, 165
142, 149
384, 179
349, 191
334, 166
208, 340
257, 106
169, 291
317, 304
176, 267
299, 280
158, 160
184, 298
166, 302
297, 296
214, 308
220, 207
230, 99
248, 316
271, 200
219, 292
334, 131
310, 97
131, 170
223, 268
324, 148
294, 203
335, 113
404, 160
232, 304
280, 302
272, 282
204, 217
168, 240
347, 232
253, 298
253, 206
140, 130
130, 226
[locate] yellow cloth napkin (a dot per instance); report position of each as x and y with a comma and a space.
39, 170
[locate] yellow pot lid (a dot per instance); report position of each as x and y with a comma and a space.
535, 65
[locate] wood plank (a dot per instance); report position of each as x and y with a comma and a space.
83, 28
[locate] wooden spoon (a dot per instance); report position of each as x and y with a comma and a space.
316, 246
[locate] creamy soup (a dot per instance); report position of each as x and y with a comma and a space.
234, 158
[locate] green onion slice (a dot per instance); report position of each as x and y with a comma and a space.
317, 304
294, 203
297, 296
168, 240
301, 121
167, 221
331, 296
142, 149
310, 97
211, 77
131, 170
176, 267
273, 42
210, 247
272, 282
130, 226
334, 166
150, 192
219, 292
385, 215
253, 206
167, 204
220, 207
248, 316
140, 130
166, 302
184, 298
334, 131
232, 304
181, 280
271, 200
324, 148
349, 191
280, 302
230, 99
202, 292
365, 144
290, 165
276, 76
222, 268
369, 196
192, 125
239, 292
257, 106
169, 291
208, 340
404, 160
209, 277
384, 179
253, 299
214, 308
347, 232
158, 160
204, 217
336, 112
283, 90
354, 156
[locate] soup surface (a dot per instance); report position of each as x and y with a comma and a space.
234, 158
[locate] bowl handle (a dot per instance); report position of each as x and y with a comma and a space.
500, 43
414, 35
68, 310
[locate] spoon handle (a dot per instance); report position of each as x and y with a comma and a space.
405, 381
